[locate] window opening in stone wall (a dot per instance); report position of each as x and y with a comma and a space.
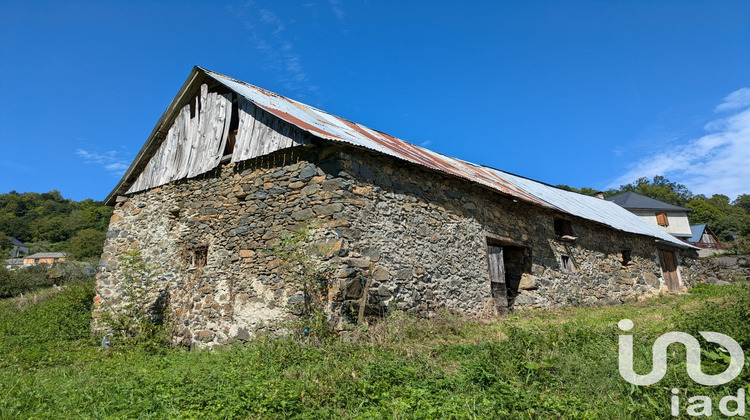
566, 263
625, 257
563, 229
662, 219
197, 256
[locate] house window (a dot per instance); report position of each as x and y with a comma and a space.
566, 263
563, 228
662, 220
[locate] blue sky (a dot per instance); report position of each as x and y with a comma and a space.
584, 93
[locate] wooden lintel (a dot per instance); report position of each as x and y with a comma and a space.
503, 240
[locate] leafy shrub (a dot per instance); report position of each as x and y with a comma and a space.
303, 265
34, 329
21, 280
15, 282
26, 279
133, 321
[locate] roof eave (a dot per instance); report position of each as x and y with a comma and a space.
677, 210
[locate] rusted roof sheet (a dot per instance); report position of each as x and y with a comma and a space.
331, 127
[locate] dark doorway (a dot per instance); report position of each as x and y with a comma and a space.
506, 264
669, 267
498, 287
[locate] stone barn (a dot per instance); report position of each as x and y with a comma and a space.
230, 167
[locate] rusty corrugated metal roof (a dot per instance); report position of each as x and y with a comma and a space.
331, 127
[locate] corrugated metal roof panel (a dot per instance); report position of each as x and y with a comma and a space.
592, 208
331, 127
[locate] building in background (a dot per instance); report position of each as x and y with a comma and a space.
18, 248
44, 258
705, 239
669, 218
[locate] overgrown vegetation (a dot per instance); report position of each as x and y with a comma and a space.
26, 279
47, 222
559, 364
138, 319
304, 265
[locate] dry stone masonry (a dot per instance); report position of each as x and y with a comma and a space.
404, 237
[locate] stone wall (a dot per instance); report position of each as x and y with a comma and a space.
721, 270
413, 238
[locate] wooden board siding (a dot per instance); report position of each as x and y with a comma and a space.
260, 133
669, 268
497, 277
196, 141
193, 145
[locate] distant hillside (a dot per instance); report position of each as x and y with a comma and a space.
49, 222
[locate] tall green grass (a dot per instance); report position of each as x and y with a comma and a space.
555, 364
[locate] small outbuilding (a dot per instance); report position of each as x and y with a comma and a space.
44, 258
704, 237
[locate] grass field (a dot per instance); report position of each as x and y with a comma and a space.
556, 364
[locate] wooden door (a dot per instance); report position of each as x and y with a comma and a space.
497, 278
669, 267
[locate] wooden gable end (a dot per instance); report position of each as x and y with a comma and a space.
260, 133
197, 140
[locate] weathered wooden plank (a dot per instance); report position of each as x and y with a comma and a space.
244, 130
199, 140
498, 287
260, 133
195, 142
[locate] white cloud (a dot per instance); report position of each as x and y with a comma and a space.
716, 163
337, 10
110, 160
268, 17
738, 99
268, 36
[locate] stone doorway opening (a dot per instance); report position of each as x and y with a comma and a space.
507, 263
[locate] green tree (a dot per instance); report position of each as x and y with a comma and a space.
48, 217
704, 212
87, 243
4, 243
583, 190
659, 188
742, 201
